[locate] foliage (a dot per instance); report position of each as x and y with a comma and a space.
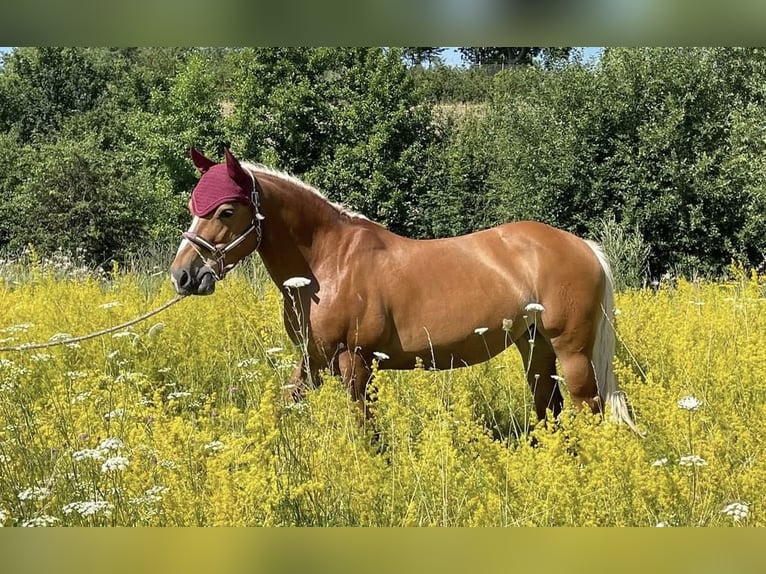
627, 253
345, 119
662, 140
170, 425
442, 84
654, 137
511, 57
76, 177
459, 202
417, 56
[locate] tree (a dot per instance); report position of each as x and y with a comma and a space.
510, 57
76, 174
76, 196
41, 87
663, 140
346, 119
419, 56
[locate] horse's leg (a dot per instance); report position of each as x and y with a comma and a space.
356, 374
540, 366
579, 376
302, 379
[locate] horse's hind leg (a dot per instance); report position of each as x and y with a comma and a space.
580, 378
540, 366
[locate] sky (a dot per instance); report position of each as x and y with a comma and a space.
451, 56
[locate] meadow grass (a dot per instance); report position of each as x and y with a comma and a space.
183, 419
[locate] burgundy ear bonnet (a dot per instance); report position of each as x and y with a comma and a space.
220, 183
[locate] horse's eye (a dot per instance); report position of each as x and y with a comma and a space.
226, 213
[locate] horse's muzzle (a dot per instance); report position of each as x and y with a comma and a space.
200, 281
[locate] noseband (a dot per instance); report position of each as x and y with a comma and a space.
217, 259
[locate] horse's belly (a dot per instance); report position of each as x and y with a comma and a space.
437, 351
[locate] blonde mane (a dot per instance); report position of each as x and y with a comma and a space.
284, 176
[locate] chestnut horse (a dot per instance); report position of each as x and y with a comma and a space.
354, 291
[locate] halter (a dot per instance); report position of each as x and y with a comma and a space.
218, 254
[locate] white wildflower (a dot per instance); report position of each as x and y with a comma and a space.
380, 356
6, 363
178, 395
88, 454
660, 461
215, 446
737, 510
247, 363
300, 406
75, 375
167, 464
534, 308
80, 397
297, 282
662, 524
89, 507
3, 516
115, 464
34, 493
481, 330
152, 495
110, 305
689, 403
122, 334
115, 414
40, 521
20, 328
273, 350
111, 443
41, 357
157, 490
5, 459
692, 460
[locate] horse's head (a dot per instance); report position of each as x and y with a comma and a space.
225, 229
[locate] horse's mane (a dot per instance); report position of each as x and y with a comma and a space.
266, 170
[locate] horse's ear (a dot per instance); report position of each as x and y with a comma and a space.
200, 161
236, 171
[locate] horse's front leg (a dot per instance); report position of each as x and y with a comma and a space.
356, 373
304, 377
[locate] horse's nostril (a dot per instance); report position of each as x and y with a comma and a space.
183, 279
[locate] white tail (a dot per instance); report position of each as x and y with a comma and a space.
603, 349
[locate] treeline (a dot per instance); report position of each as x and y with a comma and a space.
663, 148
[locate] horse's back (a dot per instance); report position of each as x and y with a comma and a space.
430, 296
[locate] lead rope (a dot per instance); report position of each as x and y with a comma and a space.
69, 341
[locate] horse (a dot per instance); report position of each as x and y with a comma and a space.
355, 292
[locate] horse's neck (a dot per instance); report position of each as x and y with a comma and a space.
297, 229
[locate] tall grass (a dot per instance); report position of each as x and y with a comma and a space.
627, 252
183, 420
